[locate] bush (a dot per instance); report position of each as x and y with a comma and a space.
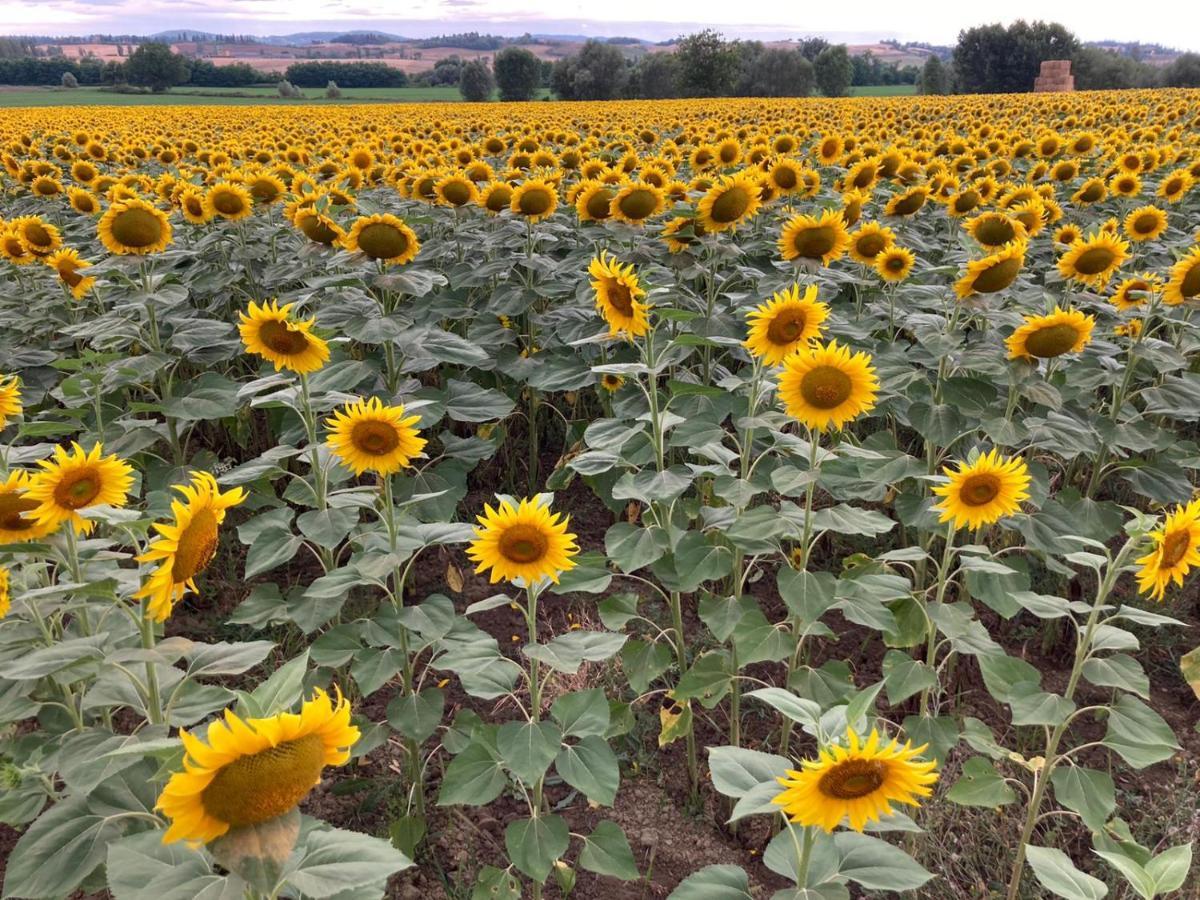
332, 91
69, 80
476, 82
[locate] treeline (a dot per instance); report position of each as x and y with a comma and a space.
470, 40
346, 74
992, 59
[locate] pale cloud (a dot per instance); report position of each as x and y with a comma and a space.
938, 21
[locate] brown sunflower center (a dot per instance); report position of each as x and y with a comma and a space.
998, 276
194, 206
499, 199
228, 203
966, 201
906, 206
732, 205
77, 489
815, 242
523, 544
137, 228
1051, 341
456, 193
282, 338
895, 263
316, 228
638, 203
979, 489
197, 546
535, 202
1173, 186
37, 235
12, 510
620, 297
785, 178
870, 245
374, 437
1175, 547
995, 230
1190, 286
598, 204
1092, 193
826, 387
382, 241
264, 191
1094, 261
265, 785
853, 779
1145, 223
786, 327
67, 273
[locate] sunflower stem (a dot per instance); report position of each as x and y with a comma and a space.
153, 701
943, 581
319, 486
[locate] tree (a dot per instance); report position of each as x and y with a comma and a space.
1183, 72
156, 66
598, 72
475, 81
777, 73
995, 59
708, 65
655, 77
933, 77
1096, 69
811, 48
834, 71
518, 73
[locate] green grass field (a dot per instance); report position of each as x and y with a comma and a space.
90, 96
883, 90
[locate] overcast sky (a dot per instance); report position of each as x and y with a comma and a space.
1173, 23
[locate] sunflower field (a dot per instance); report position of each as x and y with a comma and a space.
710, 501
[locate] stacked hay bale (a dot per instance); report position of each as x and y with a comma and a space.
1055, 76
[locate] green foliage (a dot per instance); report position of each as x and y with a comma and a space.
518, 73
834, 71
156, 66
993, 59
476, 83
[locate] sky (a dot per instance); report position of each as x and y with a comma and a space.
1174, 23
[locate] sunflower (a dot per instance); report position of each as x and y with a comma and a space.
268, 331
814, 239
983, 491
786, 322
265, 189
995, 229
825, 385
895, 263
16, 527
13, 248
191, 204
82, 201
611, 383
455, 190
10, 398
1045, 337
852, 206
907, 203
67, 263
1094, 259
1133, 292
992, 273
134, 227
1145, 223
368, 436
963, 202
187, 545
1067, 235
75, 480
858, 782
1176, 550
496, 197
1126, 184
618, 294
228, 201
681, 233
635, 202
535, 200
317, 227
1132, 329
593, 199
1184, 283
383, 237
526, 542
1175, 186
250, 771
40, 238
869, 241
733, 200
786, 176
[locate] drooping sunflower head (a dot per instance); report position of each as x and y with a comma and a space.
40, 238
1184, 281
228, 201
983, 491
895, 263
67, 263
367, 436
734, 199
250, 771
134, 227
636, 201
76, 479
993, 230
1135, 291
270, 332
907, 203
992, 273
1094, 259
10, 398
1045, 337
83, 201
826, 385
618, 296
1145, 223
525, 542
1175, 550
856, 783
455, 189
385, 238
496, 197
786, 322
187, 544
815, 240
534, 200
593, 199
318, 227
18, 525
